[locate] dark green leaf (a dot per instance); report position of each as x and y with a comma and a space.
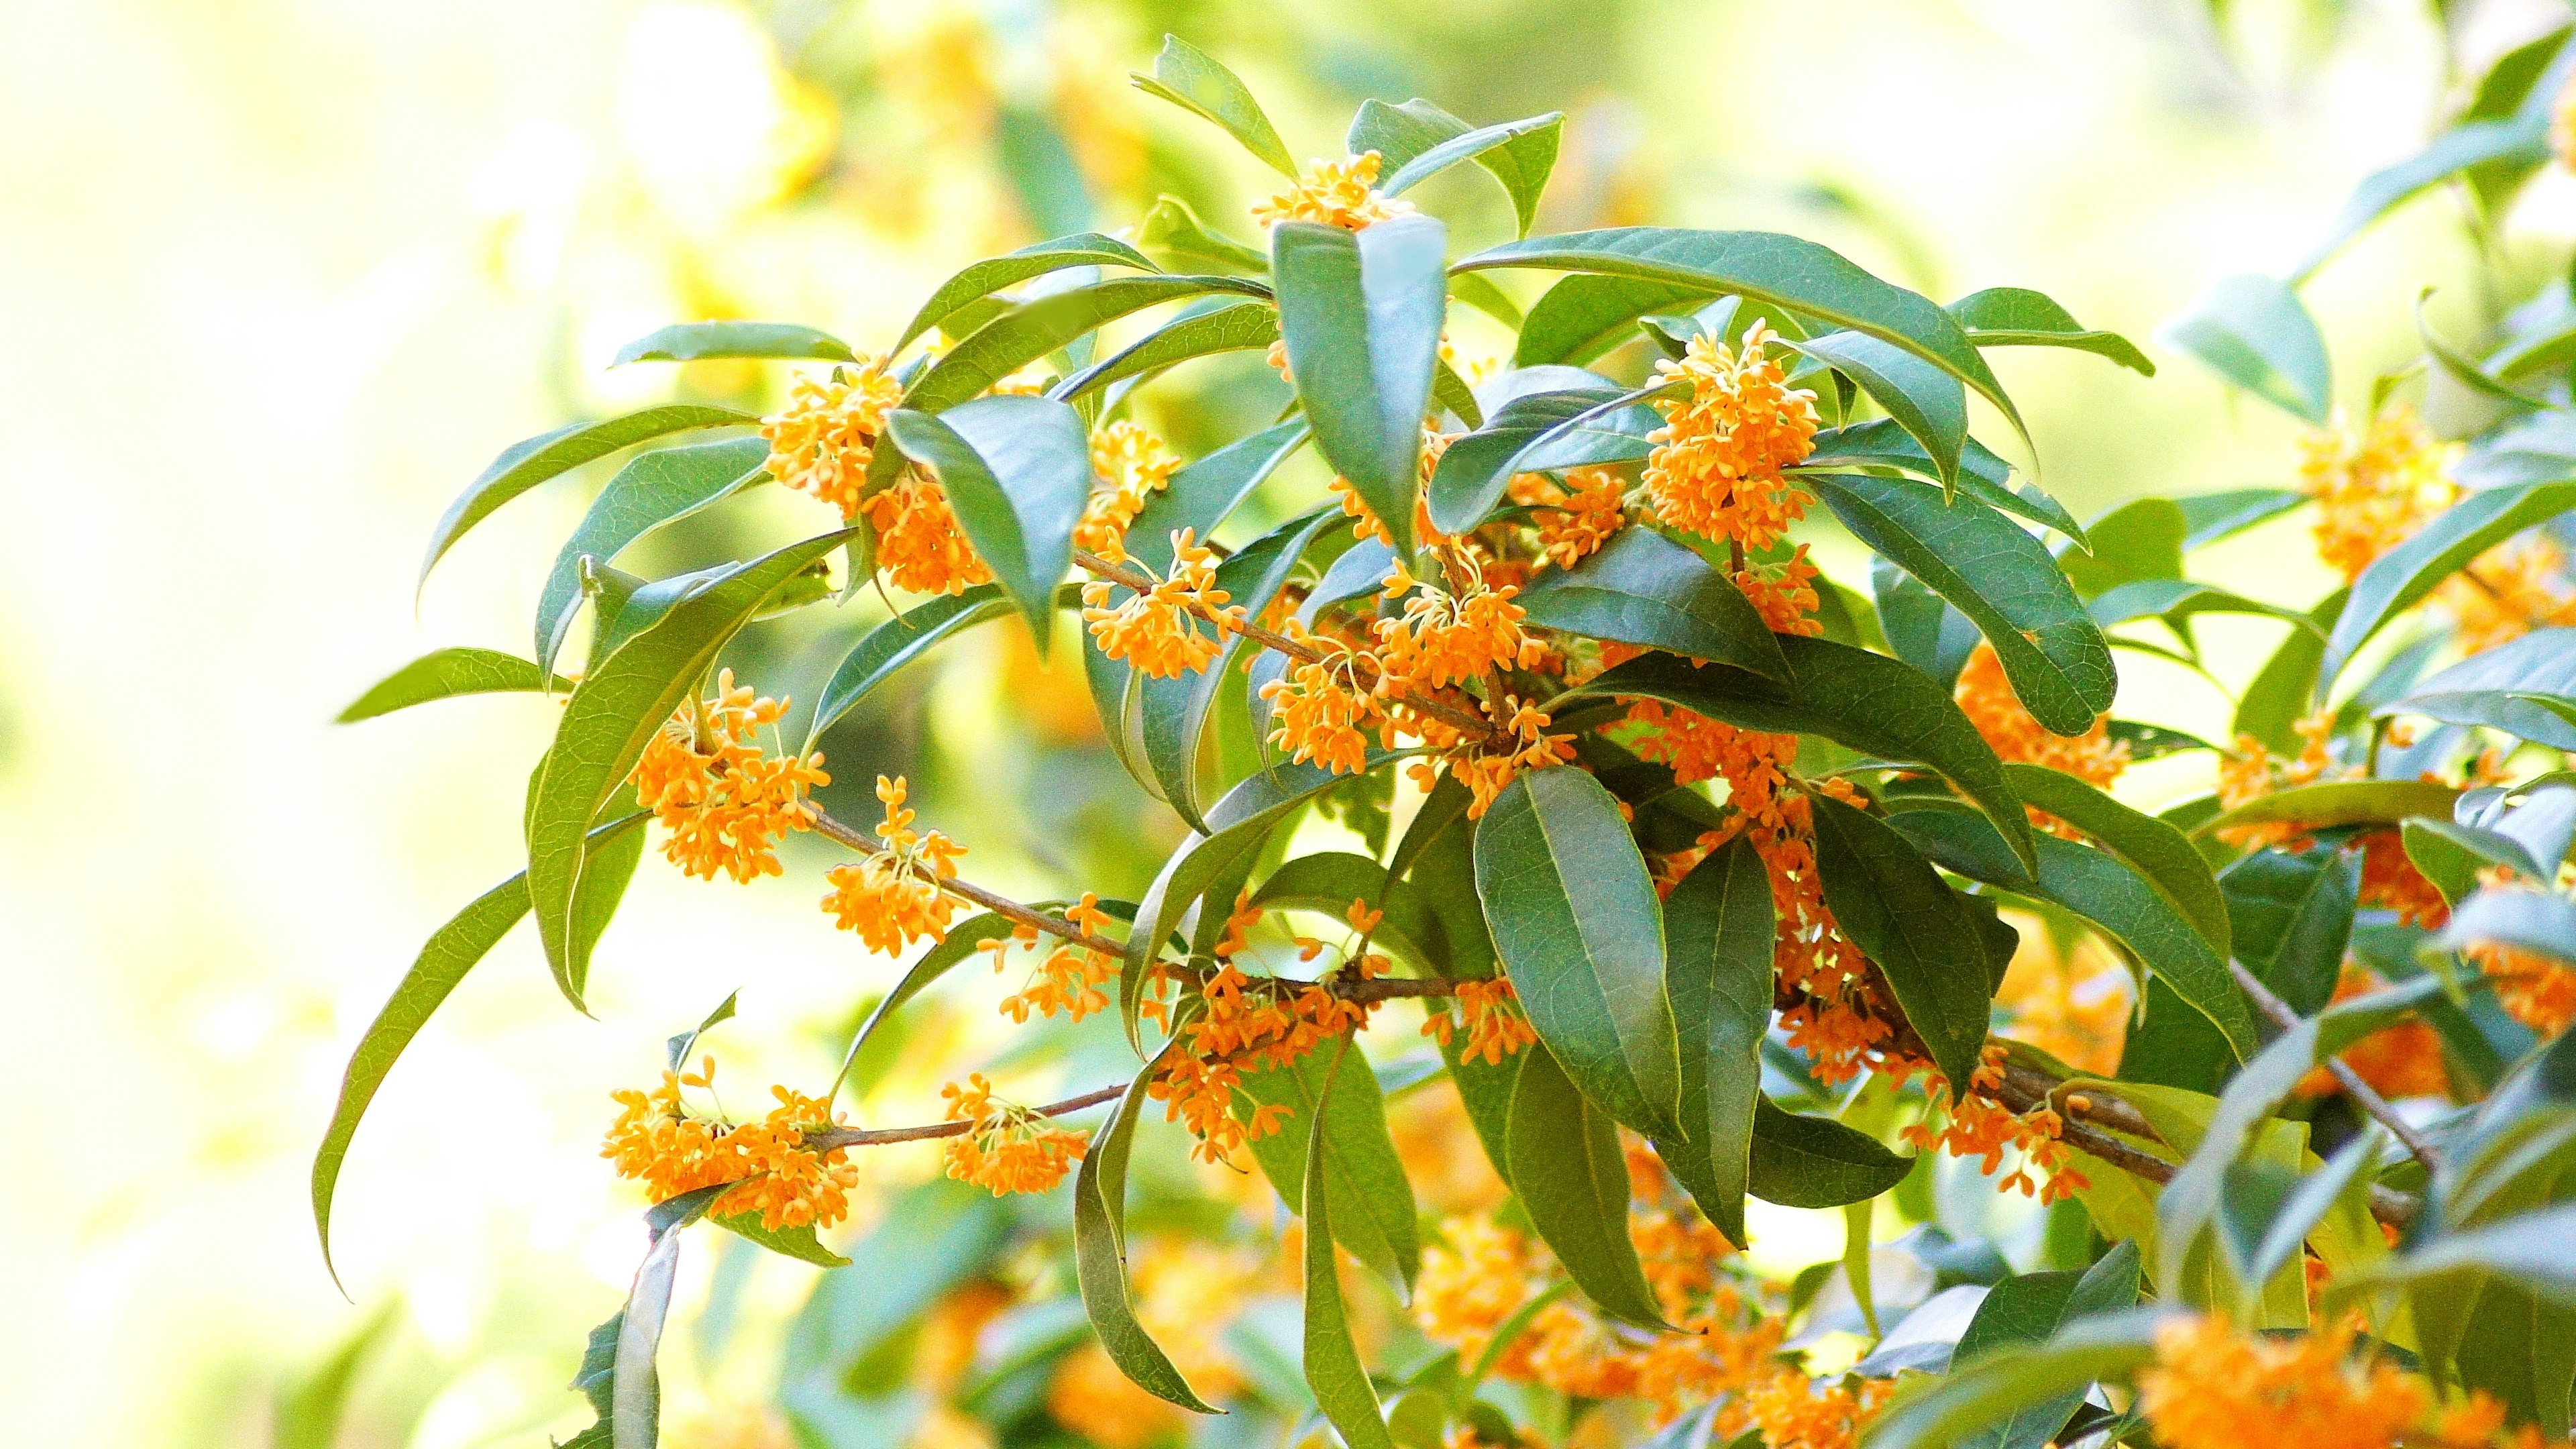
1333, 1368
1204, 493
1234, 327
1361, 314
1554, 429
675, 1050
799, 1242
1895, 907
2404, 575
1817, 1162
2019, 317
656, 488
2526, 688
1643, 588
1520, 154
1586, 315
447, 673
1983, 473
695, 341
2156, 850
984, 278
1100, 1254
1017, 471
1041, 325
2004, 1386
1581, 934
2292, 915
1718, 941
1188, 78
1921, 627
898, 642
2253, 331
524, 465
2029, 1310
1568, 1175
1344, 1109
1924, 400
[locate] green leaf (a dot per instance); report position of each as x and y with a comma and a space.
799, 1242
1205, 493
696, 341
1895, 907
2000, 577
1344, 1110
447, 673
1643, 588
1333, 1368
1478, 292
1569, 1176
2514, 916
2030, 1309
675, 1050
2341, 802
1817, 1162
1534, 432
1924, 400
1171, 227
2525, 688
1872, 703
2529, 1248
2003, 1387
1519, 154
444, 959
2209, 517
1100, 1254
2404, 575
2140, 539
2462, 148
2154, 849
898, 642
656, 488
2292, 917
1361, 314
2253, 331
635, 1390
1017, 471
524, 465
1581, 933
960, 944
2175, 600
984, 278
1718, 941
2310, 1198
1881, 443
309, 1410
1189, 79
2019, 317
2450, 856
1234, 327
1763, 267
2277, 700
1586, 315
610, 717
1043, 324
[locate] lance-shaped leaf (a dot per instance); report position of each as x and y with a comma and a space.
2291, 920
1361, 313
898, 642
2530, 1248
2526, 688
1333, 1368
2019, 317
1553, 429
1925, 401
1872, 703
2340, 802
961, 943
2528, 920
2277, 700
447, 673
1041, 325
2000, 577
1642, 588
1581, 933
1921, 933
1188, 78
1718, 940
2176, 600
2153, 848
2404, 575
1100, 1254
1566, 1170
635, 1390
1344, 1110
610, 717
2000, 1387
657, 488
984, 278
1782, 271
1205, 493
2513, 139
310, 1408
2025, 1311
1585, 315
698, 341
1017, 471
1172, 228
1417, 140
1983, 473
1817, 1162
1233, 327
2210, 517
450, 952
2253, 331
524, 465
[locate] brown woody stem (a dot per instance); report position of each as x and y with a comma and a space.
825, 1141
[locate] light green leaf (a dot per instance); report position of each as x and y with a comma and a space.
799, 1242
1017, 471
1205, 493
697, 341
1100, 1254
2462, 148
656, 488
2526, 688
2140, 539
1895, 907
2341, 802
2209, 517
1172, 228
1361, 314
984, 278
1189, 79
2019, 317
1642, 588
447, 673
2175, 600
1567, 1172
1586, 315
898, 642
309, 1410
2253, 331
2278, 698
1718, 942
1333, 1368
960, 944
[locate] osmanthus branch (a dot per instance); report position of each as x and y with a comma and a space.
2362, 1093
830, 1138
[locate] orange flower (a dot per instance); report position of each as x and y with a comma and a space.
894, 898
824, 439
658, 1142
2376, 489
920, 544
1987, 697
2534, 989
1245, 1022
1336, 193
2511, 589
1485, 766
1365, 523
1489, 1013
1070, 978
1135, 465
2390, 881
724, 802
1794, 1411
1976, 1125
1716, 467
1577, 518
1156, 631
2215, 1388
1443, 638
1011, 1148
2074, 1007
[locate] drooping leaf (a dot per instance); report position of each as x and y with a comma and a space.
1017, 471
1344, 1110
2019, 317
1234, 327
445, 674
2404, 575
1520, 154
898, 642
697, 341
1642, 588
2462, 148
1565, 1168
2000, 577
1333, 1368
1718, 942
656, 488
1924, 400
2253, 331
1188, 78
1576, 919
2341, 802
1361, 313
984, 278
1817, 1162
800, 1242
2156, 850
635, 1393
1924, 938
1100, 1254
524, 465
2525, 688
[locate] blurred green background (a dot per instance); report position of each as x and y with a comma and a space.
281, 275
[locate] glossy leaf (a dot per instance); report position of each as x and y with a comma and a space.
1642, 588
657, 488
2404, 575
1817, 1162
984, 278
1566, 1169
1555, 429
1520, 154
2156, 850
1041, 325
1017, 472
1343, 1108
1718, 941
1576, 919
1983, 473
2019, 317
1361, 313
2000, 577
1188, 78
524, 465
1333, 1368
1234, 327
898, 642
1205, 493
696, 341
2341, 802
446, 674
2004, 1386
1925, 401
1894, 906
1586, 315
2253, 331
2526, 688
1100, 1254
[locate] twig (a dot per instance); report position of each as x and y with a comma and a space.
2361, 1092
825, 1141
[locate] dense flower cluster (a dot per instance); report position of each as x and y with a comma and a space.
1133, 465
2213, 1387
658, 1142
1975, 1125
1010, 1148
1336, 193
1158, 631
726, 802
1488, 1014
1486, 765
1070, 977
920, 544
894, 897
1576, 517
1321, 710
1716, 467
1986, 696
823, 440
